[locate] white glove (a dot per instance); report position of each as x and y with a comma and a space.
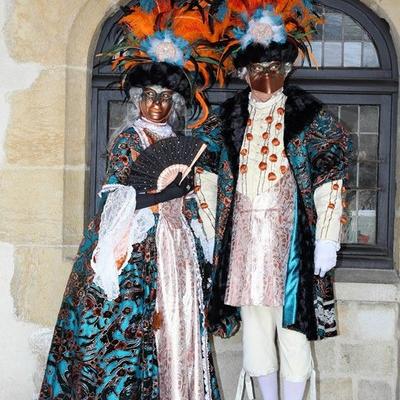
325, 256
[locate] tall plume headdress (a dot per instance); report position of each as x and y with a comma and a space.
174, 44
268, 30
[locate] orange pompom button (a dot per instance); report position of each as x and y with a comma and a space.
264, 150
276, 142
243, 168
273, 158
283, 169
262, 166
272, 176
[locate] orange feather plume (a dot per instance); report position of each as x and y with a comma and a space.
140, 22
204, 108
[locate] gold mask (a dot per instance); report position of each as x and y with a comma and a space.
156, 105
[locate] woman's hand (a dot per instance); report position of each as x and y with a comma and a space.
175, 190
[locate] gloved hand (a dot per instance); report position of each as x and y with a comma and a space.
172, 191
325, 256
175, 190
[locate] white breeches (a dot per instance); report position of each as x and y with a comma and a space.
262, 328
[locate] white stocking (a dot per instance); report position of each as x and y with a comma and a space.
269, 386
293, 390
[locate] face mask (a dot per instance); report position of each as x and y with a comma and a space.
267, 77
156, 105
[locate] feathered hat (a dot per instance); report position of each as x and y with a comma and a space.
174, 44
269, 30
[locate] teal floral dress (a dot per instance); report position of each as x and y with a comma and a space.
105, 349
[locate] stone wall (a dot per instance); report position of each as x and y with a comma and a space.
47, 49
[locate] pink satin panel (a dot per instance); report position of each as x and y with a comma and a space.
183, 371
260, 245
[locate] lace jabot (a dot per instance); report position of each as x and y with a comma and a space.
276, 98
162, 130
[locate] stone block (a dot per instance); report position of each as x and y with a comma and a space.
77, 117
40, 32
345, 315
31, 206
35, 135
335, 389
367, 321
369, 360
373, 390
74, 206
324, 353
38, 283
376, 322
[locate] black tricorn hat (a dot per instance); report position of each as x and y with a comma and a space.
256, 53
162, 74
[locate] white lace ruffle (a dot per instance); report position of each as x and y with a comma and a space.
161, 130
120, 227
206, 244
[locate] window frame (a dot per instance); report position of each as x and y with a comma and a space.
352, 85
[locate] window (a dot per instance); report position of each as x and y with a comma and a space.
357, 80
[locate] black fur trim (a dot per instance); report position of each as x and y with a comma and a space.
255, 53
162, 74
301, 109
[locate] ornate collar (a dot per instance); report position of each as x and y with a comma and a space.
161, 130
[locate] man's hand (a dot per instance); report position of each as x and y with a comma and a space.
324, 256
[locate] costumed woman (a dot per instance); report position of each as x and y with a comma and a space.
290, 160
132, 323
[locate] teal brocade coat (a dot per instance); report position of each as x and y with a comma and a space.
106, 349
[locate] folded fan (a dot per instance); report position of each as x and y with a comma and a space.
158, 165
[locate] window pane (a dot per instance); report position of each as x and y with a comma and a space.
363, 123
352, 54
342, 42
367, 217
333, 54
116, 114
349, 117
369, 119
368, 148
333, 27
349, 231
361, 215
370, 58
368, 175
351, 29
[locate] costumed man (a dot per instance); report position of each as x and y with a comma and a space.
290, 159
132, 323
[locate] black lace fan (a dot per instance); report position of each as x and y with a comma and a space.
158, 165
